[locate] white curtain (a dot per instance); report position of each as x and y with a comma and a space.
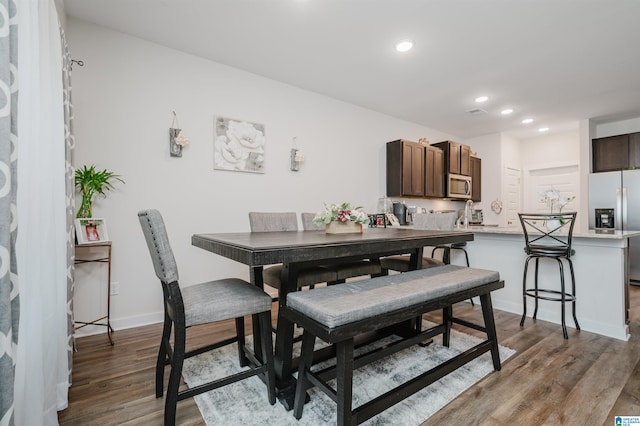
42, 369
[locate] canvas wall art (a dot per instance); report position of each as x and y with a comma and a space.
239, 145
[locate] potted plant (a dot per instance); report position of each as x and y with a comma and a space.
91, 182
341, 218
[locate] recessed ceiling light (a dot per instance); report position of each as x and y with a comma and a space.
481, 99
543, 129
404, 46
506, 111
527, 121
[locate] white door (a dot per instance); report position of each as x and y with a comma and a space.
512, 195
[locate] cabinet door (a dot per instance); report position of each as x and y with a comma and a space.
412, 169
454, 158
465, 162
634, 151
610, 153
434, 172
476, 179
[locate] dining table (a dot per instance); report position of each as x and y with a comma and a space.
296, 250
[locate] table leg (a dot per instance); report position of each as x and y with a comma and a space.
285, 382
256, 279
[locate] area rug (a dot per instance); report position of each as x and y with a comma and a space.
245, 403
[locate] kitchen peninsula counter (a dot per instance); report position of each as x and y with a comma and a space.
601, 270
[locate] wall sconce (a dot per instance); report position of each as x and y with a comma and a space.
296, 157
177, 140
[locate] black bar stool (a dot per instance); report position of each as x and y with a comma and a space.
549, 236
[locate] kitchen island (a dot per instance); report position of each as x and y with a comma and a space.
601, 270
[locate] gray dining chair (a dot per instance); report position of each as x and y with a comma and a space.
199, 304
287, 221
343, 270
433, 221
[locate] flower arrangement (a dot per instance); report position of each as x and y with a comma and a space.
340, 213
551, 197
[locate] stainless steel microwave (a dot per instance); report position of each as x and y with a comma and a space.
458, 186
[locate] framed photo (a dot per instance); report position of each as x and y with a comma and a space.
91, 230
393, 220
238, 145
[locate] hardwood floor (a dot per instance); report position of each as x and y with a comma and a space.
586, 380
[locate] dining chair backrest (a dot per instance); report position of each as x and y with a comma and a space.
548, 234
155, 234
273, 221
307, 222
435, 221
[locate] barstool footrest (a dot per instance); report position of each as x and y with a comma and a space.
531, 292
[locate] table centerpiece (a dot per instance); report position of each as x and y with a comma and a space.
341, 219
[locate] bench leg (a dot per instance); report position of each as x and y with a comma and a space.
306, 359
490, 325
447, 314
344, 381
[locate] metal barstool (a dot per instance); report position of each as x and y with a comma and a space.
549, 236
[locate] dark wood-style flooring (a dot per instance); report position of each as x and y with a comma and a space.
586, 380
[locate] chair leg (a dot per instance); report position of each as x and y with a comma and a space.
563, 296
242, 357
162, 356
524, 292
179, 336
573, 292
267, 354
535, 302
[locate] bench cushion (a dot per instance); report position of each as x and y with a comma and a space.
346, 303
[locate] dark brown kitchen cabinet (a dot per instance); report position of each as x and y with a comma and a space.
476, 179
457, 157
610, 153
405, 168
434, 172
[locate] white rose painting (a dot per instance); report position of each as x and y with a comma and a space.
238, 145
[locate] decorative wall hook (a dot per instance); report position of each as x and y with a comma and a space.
177, 140
296, 157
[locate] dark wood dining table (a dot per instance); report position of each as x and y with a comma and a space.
296, 250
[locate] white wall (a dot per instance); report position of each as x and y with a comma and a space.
614, 128
123, 101
489, 149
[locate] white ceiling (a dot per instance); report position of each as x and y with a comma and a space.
558, 61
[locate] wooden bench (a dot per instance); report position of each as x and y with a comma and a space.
340, 313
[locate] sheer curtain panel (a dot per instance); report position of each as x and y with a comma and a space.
42, 365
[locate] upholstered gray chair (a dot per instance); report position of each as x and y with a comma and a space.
446, 255
204, 303
344, 270
433, 221
286, 221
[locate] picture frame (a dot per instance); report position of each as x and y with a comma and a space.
91, 230
393, 220
239, 145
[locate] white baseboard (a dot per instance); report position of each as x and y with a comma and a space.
122, 324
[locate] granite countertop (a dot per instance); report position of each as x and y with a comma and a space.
590, 233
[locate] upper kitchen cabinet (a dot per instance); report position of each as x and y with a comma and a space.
476, 179
434, 172
457, 157
405, 169
619, 152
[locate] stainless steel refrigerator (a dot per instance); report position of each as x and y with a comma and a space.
619, 191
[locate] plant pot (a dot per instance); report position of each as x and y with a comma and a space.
343, 228
552, 224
